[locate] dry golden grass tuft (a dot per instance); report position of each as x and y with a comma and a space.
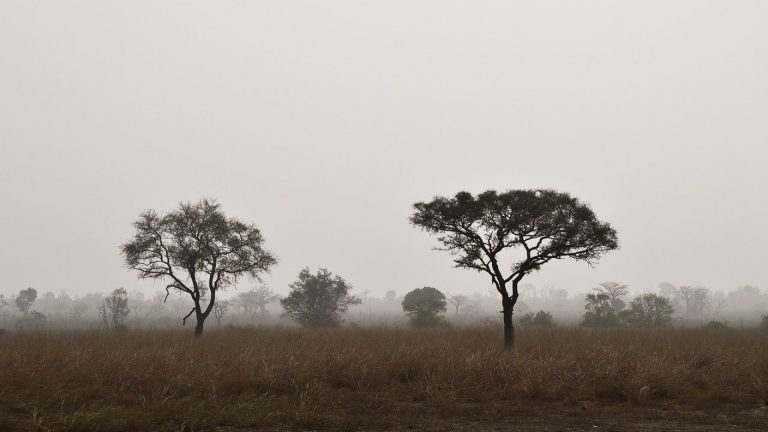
351, 379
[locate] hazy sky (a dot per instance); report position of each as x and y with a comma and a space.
324, 121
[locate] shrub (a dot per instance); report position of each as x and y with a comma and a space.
716, 325
423, 306
540, 318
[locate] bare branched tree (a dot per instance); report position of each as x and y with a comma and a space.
114, 309
198, 250
218, 311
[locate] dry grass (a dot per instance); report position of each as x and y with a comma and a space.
362, 378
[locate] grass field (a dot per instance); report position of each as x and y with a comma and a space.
385, 379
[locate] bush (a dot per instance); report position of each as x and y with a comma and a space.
716, 325
540, 318
423, 305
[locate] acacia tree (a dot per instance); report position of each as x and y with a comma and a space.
256, 300
318, 300
543, 224
199, 251
457, 301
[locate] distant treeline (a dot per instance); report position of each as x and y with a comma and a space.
28, 309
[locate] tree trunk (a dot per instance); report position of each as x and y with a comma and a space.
509, 330
199, 325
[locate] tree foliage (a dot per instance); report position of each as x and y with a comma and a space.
543, 225
25, 298
318, 300
198, 250
423, 305
600, 312
615, 292
114, 309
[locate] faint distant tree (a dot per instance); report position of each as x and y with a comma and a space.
528, 290
198, 250
78, 309
764, 322
3, 305
667, 290
719, 301
115, 308
457, 301
615, 292
423, 305
544, 225
256, 300
648, 310
600, 312
38, 318
24, 300
318, 300
390, 296
695, 299
218, 311
539, 319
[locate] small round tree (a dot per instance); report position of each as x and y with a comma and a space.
318, 300
423, 305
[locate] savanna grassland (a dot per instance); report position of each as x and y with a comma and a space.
385, 379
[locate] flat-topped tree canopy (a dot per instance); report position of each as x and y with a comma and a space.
543, 224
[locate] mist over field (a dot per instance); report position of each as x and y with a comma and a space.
383, 215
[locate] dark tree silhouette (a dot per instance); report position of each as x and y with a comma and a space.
544, 224
615, 292
318, 300
25, 299
600, 312
114, 309
198, 250
423, 305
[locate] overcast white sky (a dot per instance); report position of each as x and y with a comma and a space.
323, 121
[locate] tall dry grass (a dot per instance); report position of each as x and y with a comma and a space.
349, 378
